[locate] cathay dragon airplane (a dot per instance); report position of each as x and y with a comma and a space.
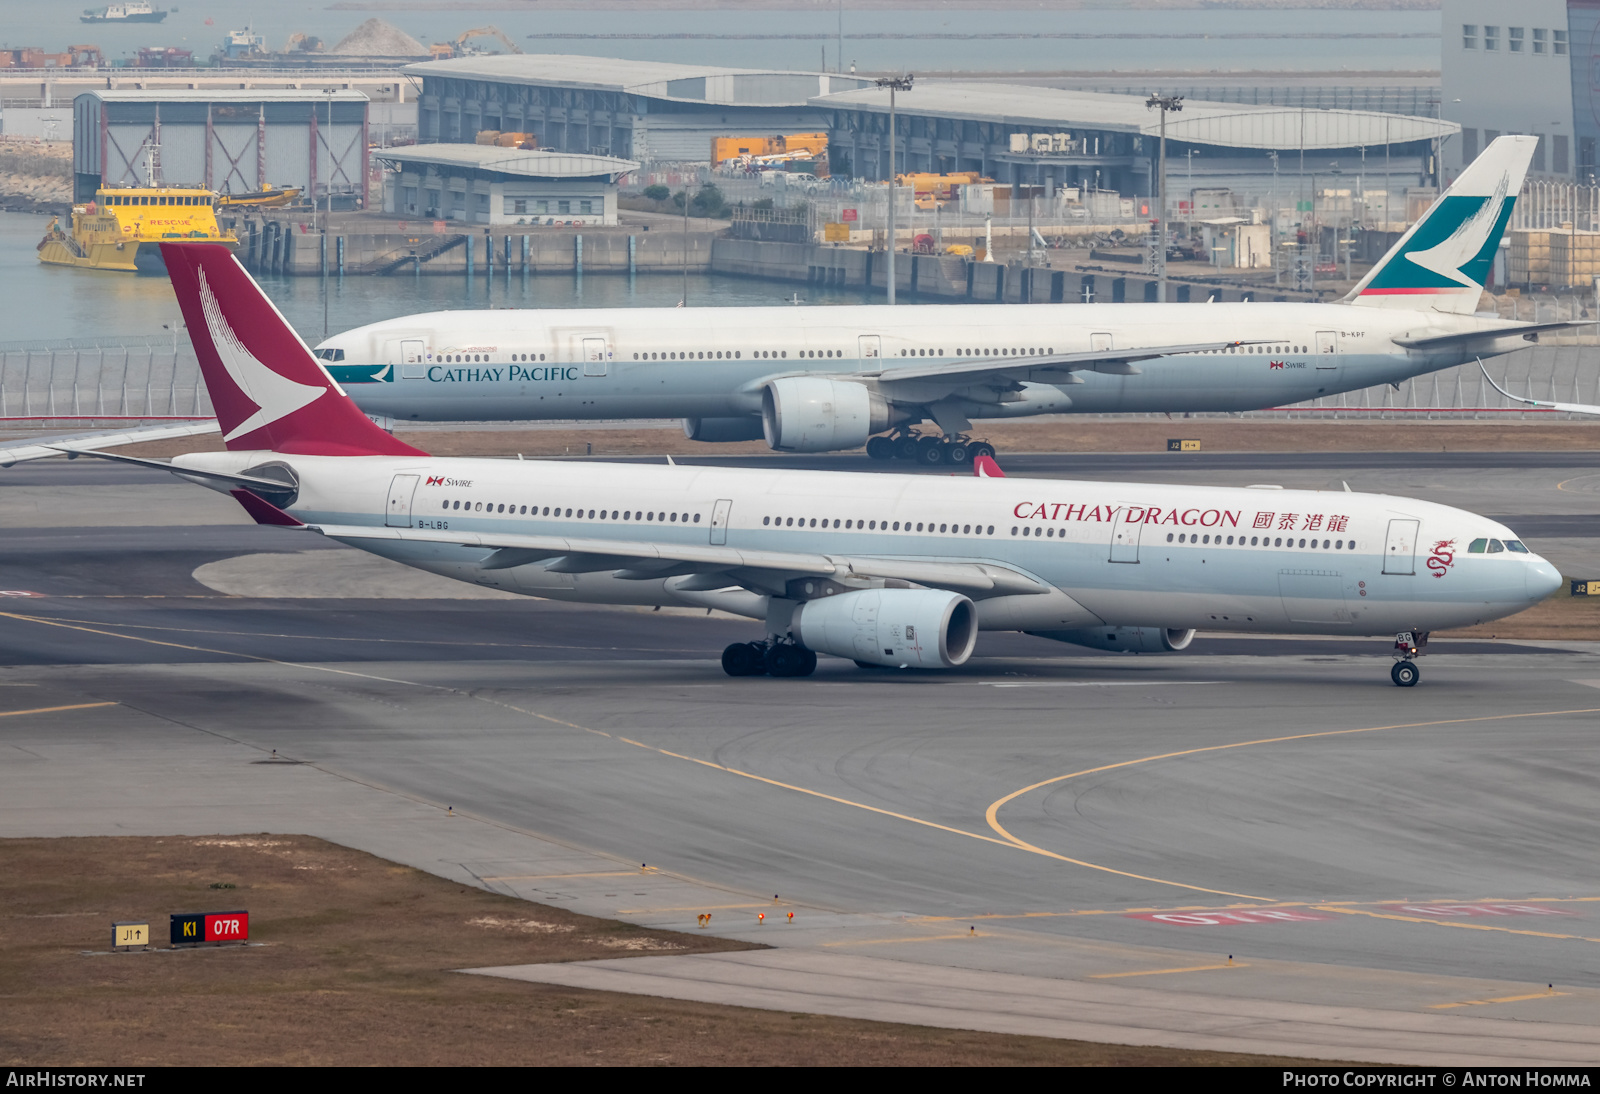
833, 378
885, 570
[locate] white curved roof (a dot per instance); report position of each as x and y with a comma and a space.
1226, 124
536, 163
657, 79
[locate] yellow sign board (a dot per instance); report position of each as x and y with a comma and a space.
835, 232
1175, 445
130, 934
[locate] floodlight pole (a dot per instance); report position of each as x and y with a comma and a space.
893, 83
327, 219
1166, 104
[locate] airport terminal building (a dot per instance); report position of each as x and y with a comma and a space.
1018, 135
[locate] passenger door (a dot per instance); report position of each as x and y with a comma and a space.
1100, 342
413, 359
719, 522
1125, 536
595, 356
1400, 547
870, 347
400, 494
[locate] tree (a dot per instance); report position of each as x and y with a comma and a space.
657, 193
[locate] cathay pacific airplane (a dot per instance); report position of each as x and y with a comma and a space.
883, 570
833, 378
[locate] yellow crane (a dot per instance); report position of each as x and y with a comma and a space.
443, 51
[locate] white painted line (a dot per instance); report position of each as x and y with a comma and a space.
1107, 683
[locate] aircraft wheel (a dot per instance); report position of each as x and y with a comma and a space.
981, 448
880, 448
744, 659
930, 451
1405, 674
907, 447
958, 454
808, 663
788, 660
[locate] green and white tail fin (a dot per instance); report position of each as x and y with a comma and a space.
1443, 261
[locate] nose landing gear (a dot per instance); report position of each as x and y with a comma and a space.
1410, 645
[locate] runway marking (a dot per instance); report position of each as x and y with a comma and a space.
1345, 910
53, 710
898, 941
1322, 904
1102, 684
1501, 999
992, 814
700, 908
544, 877
1163, 972
63, 621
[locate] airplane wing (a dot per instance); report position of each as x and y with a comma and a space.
761, 571
84, 443
1488, 340
1541, 404
1040, 368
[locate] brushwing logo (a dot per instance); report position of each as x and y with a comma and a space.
275, 396
1461, 246
435, 480
1274, 364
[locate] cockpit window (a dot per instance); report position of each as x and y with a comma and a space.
1516, 545
1477, 546
330, 354
1496, 547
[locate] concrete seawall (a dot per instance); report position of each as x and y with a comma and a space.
283, 247
951, 277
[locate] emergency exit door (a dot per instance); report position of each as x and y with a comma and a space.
870, 346
595, 356
719, 522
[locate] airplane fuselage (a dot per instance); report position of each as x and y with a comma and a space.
713, 362
1102, 554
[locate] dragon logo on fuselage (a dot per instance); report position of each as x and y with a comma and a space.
1442, 557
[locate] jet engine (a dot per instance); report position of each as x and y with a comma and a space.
718, 430
815, 414
919, 628
1135, 639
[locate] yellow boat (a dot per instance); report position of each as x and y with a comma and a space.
268, 197
122, 227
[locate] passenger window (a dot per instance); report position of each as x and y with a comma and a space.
1169, 537
990, 531
1516, 545
1277, 542
1496, 547
766, 520
1477, 546
1252, 541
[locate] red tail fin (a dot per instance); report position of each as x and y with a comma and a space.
269, 392
985, 468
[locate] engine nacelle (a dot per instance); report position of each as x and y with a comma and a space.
1134, 639
719, 430
815, 414
918, 628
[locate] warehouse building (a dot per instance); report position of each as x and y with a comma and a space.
231, 141
482, 184
640, 110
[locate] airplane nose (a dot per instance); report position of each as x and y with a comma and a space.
1541, 579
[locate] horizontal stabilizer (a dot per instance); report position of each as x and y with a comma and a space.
45, 447
274, 486
1489, 339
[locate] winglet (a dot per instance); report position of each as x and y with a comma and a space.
263, 511
985, 468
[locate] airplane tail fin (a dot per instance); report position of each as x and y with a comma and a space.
985, 468
268, 390
1443, 261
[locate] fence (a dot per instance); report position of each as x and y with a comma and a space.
148, 380
141, 379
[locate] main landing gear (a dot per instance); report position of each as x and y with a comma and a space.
768, 659
929, 449
1409, 646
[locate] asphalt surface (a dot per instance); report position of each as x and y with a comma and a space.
1052, 797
